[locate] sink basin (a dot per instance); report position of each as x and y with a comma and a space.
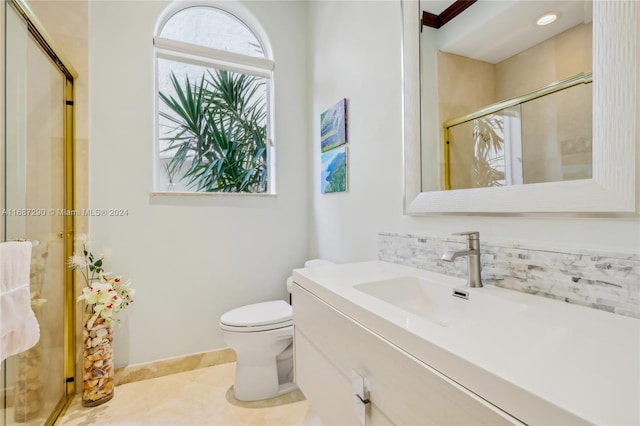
436, 303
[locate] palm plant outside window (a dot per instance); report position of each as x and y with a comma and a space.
214, 93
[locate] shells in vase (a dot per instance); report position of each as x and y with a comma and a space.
97, 361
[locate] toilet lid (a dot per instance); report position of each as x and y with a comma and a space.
276, 312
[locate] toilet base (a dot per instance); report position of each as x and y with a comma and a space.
283, 389
264, 366
286, 388
254, 385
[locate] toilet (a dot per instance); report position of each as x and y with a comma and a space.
261, 334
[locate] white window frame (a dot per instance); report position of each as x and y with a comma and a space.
194, 54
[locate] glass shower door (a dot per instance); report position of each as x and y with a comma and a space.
34, 381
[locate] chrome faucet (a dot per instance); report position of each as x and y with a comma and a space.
473, 257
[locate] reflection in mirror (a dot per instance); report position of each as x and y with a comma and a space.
545, 139
612, 190
513, 99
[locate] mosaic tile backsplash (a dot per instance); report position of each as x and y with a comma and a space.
606, 281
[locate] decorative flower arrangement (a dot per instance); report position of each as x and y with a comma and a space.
105, 295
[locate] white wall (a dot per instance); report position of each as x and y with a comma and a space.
192, 258
356, 54
189, 258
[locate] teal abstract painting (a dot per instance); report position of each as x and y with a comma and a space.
333, 126
334, 170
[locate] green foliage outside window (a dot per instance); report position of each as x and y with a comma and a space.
217, 132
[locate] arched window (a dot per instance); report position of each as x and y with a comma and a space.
214, 104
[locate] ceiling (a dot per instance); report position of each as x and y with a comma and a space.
435, 6
492, 31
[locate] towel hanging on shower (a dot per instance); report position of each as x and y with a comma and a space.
19, 329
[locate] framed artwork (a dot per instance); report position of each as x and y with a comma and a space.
333, 148
333, 126
333, 176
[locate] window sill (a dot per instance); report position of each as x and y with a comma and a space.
210, 194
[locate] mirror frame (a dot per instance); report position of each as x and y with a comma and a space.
613, 189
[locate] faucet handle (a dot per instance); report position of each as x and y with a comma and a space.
471, 235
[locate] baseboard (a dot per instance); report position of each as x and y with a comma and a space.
164, 367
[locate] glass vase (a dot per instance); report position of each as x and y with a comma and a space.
97, 359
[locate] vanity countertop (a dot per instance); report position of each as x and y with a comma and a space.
548, 363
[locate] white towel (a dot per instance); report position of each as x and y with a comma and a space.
19, 329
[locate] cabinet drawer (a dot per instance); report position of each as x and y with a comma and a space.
327, 389
402, 387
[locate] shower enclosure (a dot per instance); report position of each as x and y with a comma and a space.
542, 136
37, 169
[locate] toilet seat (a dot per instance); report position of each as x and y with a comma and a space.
258, 317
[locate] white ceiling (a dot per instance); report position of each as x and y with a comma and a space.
435, 6
492, 31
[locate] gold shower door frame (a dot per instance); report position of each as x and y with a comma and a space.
40, 36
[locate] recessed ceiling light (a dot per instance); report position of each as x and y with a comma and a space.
547, 18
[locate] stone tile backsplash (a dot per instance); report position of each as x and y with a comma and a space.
606, 281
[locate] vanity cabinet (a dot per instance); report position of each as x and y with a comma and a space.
330, 347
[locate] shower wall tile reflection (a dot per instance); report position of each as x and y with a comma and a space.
565, 55
557, 135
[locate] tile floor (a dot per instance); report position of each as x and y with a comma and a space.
200, 397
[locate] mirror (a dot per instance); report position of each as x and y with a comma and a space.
512, 109
604, 186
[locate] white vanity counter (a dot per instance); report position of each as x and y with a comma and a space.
542, 361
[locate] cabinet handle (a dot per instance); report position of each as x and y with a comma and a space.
361, 402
